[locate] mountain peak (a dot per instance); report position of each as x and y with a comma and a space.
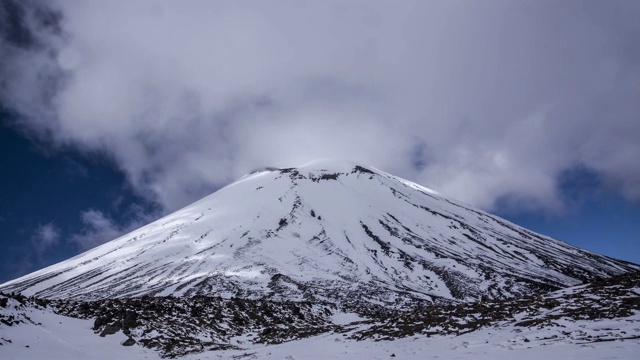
323, 166
335, 165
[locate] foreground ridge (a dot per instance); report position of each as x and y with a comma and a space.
178, 326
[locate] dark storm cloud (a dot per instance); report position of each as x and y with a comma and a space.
479, 100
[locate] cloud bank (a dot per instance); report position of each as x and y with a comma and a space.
478, 100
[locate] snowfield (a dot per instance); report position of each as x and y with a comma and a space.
52, 336
60, 337
486, 344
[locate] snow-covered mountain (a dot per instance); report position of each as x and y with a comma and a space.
327, 231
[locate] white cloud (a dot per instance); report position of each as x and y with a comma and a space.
491, 99
99, 227
46, 236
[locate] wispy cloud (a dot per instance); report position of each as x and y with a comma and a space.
45, 236
477, 100
99, 227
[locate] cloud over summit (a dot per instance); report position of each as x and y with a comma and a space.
478, 101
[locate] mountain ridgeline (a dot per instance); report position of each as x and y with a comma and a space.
332, 232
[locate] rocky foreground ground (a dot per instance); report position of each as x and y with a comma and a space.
179, 326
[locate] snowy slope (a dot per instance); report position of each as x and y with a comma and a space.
41, 334
595, 321
332, 231
486, 344
63, 338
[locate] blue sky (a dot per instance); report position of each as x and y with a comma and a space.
116, 113
51, 190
